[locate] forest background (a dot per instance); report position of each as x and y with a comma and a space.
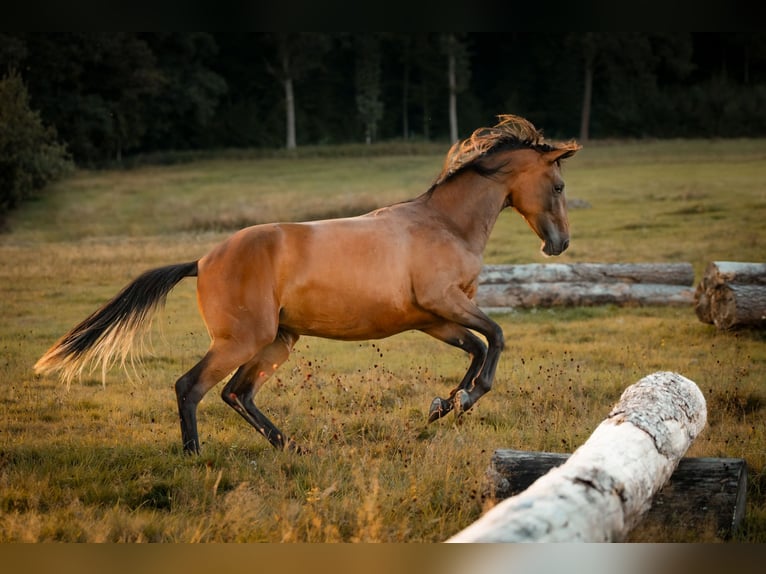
115, 95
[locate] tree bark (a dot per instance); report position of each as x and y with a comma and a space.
606, 486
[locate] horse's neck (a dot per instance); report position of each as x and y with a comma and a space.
472, 204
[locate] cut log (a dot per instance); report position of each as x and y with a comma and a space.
732, 294
503, 287
658, 273
720, 272
739, 305
605, 487
700, 491
503, 297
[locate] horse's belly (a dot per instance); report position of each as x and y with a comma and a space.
351, 317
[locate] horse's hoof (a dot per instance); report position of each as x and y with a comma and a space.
292, 446
439, 408
462, 402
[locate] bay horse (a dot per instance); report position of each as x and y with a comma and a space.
409, 266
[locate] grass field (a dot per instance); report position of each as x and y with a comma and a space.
100, 462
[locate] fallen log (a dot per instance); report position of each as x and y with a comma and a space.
503, 287
658, 273
701, 491
732, 294
500, 297
739, 306
607, 484
720, 272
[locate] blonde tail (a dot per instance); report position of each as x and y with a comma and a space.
110, 333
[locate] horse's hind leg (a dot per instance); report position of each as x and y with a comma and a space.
248, 380
460, 337
220, 360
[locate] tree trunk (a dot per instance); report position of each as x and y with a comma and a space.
426, 115
732, 294
586, 100
290, 109
584, 284
452, 79
406, 97
606, 486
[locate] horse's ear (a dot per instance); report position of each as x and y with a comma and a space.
563, 152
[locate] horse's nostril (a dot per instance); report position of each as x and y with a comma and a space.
564, 245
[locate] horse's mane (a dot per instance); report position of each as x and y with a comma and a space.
511, 132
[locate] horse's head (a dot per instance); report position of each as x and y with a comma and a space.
514, 154
536, 191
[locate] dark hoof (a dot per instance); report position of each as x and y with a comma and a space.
462, 402
292, 446
439, 408
191, 449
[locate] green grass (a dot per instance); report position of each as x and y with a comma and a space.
103, 462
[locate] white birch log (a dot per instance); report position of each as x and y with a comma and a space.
659, 273
605, 487
500, 297
503, 287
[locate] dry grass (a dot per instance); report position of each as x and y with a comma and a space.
103, 463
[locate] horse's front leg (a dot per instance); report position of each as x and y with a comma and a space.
456, 307
466, 397
462, 338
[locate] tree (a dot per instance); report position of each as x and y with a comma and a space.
294, 55
589, 59
405, 54
189, 92
30, 156
623, 73
368, 92
94, 87
458, 75
115, 94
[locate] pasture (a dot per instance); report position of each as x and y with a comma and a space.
103, 462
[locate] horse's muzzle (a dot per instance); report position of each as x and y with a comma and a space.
552, 248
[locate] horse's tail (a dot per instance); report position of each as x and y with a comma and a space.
111, 332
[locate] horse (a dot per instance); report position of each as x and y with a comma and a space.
413, 265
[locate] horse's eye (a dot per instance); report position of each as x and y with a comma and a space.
558, 188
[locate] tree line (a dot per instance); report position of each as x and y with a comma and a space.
108, 95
